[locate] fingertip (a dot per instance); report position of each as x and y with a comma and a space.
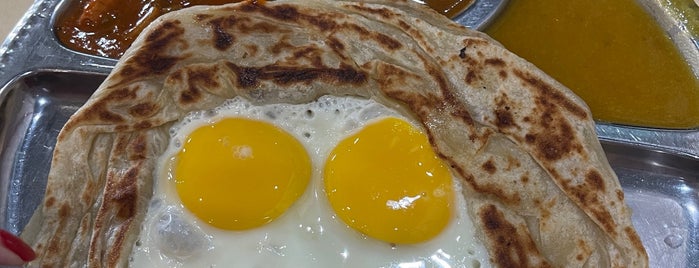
17, 246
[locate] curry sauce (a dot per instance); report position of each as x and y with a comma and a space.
611, 53
108, 27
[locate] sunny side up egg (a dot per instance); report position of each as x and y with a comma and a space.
307, 185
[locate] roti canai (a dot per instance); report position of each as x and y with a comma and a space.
538, 186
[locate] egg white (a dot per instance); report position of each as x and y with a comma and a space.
309, 233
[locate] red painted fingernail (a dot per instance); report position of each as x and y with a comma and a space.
16, 245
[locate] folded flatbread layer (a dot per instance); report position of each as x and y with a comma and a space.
538, 185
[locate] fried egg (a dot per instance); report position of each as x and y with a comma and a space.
339, 182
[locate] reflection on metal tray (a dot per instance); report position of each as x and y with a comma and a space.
32, 113
661, 187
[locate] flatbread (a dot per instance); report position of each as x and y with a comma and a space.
537, 183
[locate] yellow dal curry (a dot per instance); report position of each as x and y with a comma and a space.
611, 53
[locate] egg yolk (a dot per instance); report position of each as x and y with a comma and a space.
386, 182
239, 174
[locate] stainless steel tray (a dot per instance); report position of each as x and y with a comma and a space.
42, 83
